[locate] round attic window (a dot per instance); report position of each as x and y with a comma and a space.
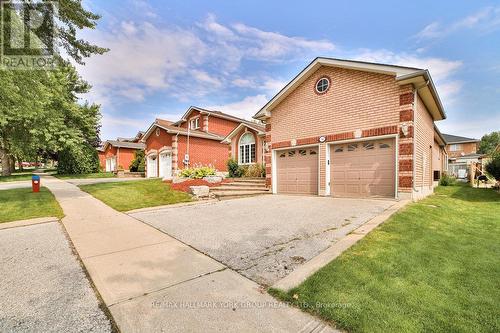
322, 85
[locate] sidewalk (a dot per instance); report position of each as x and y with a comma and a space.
152, 282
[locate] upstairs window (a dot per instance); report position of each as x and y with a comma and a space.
455, 147
322, 85
194, 123
247, 149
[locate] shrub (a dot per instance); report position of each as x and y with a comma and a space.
446, 180
493, 167
198, 172
255, 170
139, 161
233, 168
78, 159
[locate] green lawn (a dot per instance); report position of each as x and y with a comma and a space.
86, 175
125, 196
15, 177
433, 267
22, 204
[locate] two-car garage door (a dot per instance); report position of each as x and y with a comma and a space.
358, 169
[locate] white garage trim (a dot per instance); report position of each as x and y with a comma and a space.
274, 167
371, 138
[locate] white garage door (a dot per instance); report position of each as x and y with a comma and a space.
297, 170
363, 169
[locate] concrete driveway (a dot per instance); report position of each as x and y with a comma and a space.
265, 238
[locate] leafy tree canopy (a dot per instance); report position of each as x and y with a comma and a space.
489, 142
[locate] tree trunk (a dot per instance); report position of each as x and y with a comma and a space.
6, 170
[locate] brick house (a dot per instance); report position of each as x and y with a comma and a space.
462, 152
350, 128
196, 139
119, 152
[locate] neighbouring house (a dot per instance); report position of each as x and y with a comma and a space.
114, 154
247, 143
462, 152
199, 138
102, 157
354, 129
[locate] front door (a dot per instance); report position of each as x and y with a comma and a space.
166, 165
152, 171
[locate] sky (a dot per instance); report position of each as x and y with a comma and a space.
233, 56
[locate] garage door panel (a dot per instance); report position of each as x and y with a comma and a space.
363, 169
297, 171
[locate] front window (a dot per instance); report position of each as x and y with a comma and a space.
455, 147
247, 149
194, 123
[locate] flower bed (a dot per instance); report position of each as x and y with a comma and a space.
184, 186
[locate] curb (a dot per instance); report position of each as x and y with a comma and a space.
25, 223
300, 274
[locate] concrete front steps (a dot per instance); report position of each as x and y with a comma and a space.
240, 188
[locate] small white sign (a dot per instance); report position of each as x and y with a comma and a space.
293, 142
357, 133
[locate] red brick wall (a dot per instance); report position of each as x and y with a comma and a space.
204, 151
464, 148
102, 159
125, 157
157, 142
221, 126
216, 125
109, 152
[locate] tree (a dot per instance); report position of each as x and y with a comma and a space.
39, 109
139, 162
493, 167
489, 142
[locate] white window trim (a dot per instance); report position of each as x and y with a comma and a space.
455, 147
327, 87
249, 150
196, 121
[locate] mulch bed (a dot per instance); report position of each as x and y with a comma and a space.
184, 186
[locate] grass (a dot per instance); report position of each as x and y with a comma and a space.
22, 204
125, 196
86, 175
433, 267
15, 177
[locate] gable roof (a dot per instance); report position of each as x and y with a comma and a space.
450, 139
218, 114
420, 78
169, 127
124, 144
260, 129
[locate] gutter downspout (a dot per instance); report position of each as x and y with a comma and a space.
415, 101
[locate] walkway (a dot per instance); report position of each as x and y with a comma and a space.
152, 282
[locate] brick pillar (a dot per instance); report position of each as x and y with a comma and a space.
267, 156
205, 123
175, 145
406, 139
